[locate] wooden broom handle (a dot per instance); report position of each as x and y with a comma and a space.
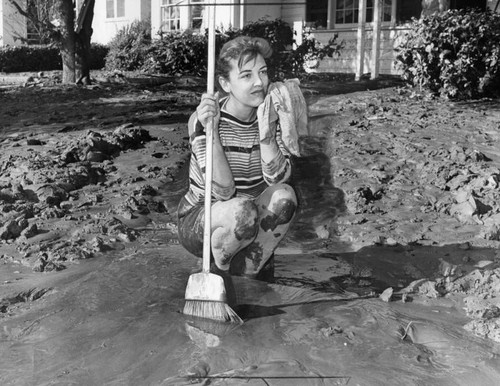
207, 235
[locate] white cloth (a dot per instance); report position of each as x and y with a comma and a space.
284, 104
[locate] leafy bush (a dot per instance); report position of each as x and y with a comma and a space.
455, 54
98, 53
308, 55
127, 50
177, 53
29, 58
43, 58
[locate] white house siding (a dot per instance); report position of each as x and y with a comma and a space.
12, 24
258, 9
105, 29
346, 62
292, 12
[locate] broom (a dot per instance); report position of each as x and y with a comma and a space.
205, 292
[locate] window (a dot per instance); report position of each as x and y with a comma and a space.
316, 13
170, 16
197, 12
347, 11
177, 15
408, 9
120, 8
115, 8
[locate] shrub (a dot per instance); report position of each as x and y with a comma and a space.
43, 58
308, 55
177, 53
127, 50
29, 58
98, 53
455, 54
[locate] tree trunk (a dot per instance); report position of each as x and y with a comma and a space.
67, 39
83, 36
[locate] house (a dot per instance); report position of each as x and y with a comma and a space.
110, 16
12, 25
323, 19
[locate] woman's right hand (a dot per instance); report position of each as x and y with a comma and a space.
208, 109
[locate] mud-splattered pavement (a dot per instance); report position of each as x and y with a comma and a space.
389, 276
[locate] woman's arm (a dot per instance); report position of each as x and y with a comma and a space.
276, 166
223, 187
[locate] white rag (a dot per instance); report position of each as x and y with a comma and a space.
285, 104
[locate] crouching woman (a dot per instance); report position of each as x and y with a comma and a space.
252, 204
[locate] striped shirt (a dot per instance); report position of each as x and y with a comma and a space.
241, 143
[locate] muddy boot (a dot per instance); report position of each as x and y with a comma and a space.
237, 268
267, 271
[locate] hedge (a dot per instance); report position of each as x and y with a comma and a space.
43, 58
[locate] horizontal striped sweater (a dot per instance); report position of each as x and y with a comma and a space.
241, 143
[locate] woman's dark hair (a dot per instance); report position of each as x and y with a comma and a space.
243, 49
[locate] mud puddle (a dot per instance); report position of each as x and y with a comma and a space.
116, 321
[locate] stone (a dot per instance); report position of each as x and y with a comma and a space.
386, 296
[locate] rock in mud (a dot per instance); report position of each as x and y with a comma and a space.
424, 287
386, 296
13, 228
485, 328
478, 308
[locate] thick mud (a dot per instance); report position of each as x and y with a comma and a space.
390, 274
117, 321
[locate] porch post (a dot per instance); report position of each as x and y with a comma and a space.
242, 13
361, 39
377, 8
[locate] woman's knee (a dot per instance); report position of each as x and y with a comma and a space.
240, 215
283, 202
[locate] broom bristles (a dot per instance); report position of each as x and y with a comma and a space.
211, 310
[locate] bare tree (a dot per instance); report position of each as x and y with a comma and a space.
40, 12
55, 19
83, 38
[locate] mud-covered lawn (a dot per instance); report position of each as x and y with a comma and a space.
399, 217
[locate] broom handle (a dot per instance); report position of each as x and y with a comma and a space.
207, 235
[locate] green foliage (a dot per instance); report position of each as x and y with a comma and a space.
177, 53
127, 50
455, 54
98, 53
308, 55
278, 33
29, 58
43, 58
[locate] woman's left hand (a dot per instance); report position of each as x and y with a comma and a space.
268, 118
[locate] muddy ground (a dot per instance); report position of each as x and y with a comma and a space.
390, 274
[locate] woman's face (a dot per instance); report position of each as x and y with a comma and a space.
248, 84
